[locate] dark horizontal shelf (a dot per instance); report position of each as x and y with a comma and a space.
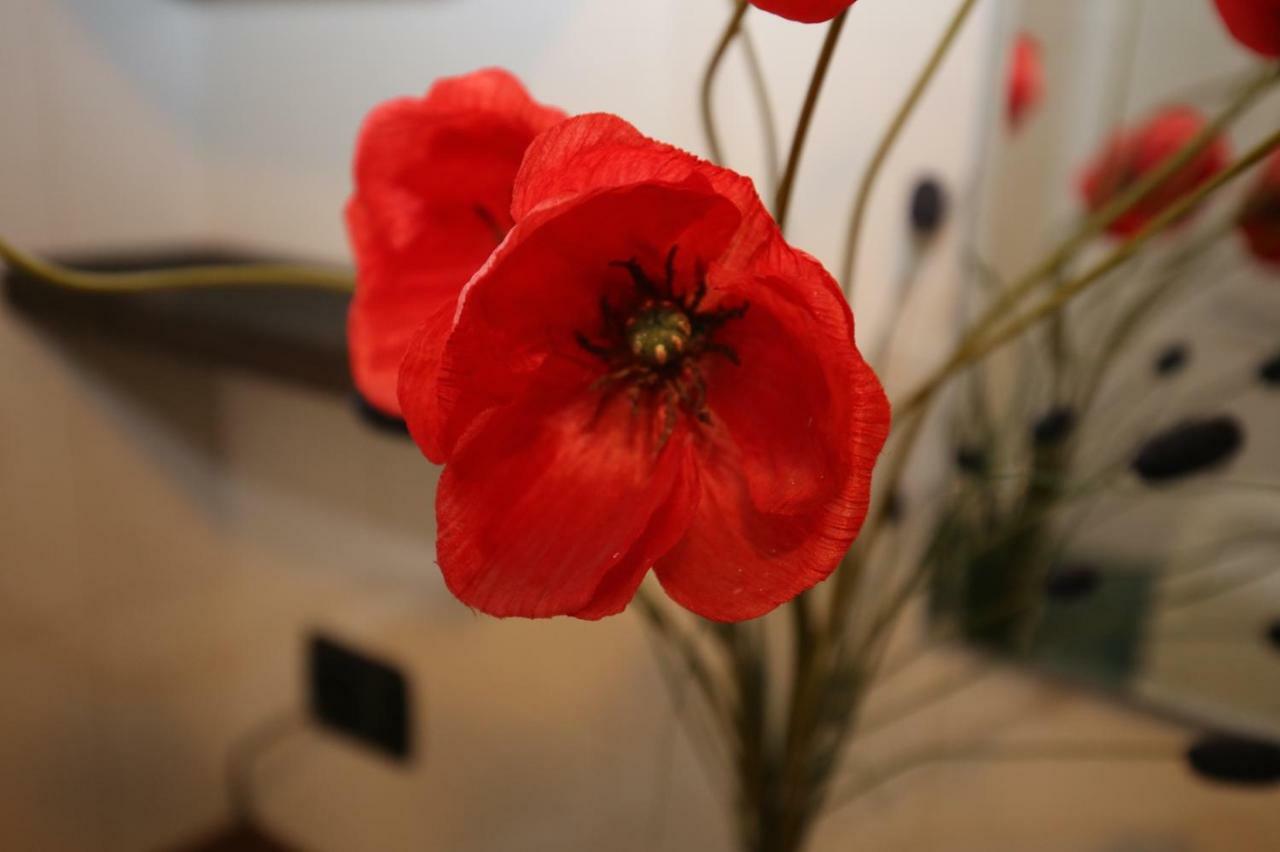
293, 334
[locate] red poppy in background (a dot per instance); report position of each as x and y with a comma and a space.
1132, 154
805, 11
1254, 23
433, 180
644, 374
1026, 80
1260, 217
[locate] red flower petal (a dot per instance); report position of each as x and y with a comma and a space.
805, 11
1026, 80
1253, 23
787, 480
554, 506
541, 288
433, 186
1132, 154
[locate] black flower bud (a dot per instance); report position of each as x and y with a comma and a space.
1269, 371
1054, 427
1172, 359
1190, 447
1235, 760
893, 507
971, 459
1273, 633
1071, 582
928, 207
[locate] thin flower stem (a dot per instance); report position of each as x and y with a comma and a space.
900, 119
782, 203
709, 79
181, 278
768, 119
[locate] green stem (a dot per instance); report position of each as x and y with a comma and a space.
768, 120
782, 203
1103, 218
709, 79
182, 278
862, 201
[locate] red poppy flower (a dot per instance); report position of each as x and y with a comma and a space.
1254, 23
1260, 216
644, 374
433, 179
805, 11
1134, 153
1026, 80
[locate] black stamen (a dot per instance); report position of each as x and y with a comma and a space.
700, 291
499, 233
642, 281
595, 349
726, 350
671, 272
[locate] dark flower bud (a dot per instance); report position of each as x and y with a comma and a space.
1226, 759
1190, 447
1269, 371
1273, 633
1071, 582
971, 460
378, 420
928, 207
1054, 427
893, 507
1172, 359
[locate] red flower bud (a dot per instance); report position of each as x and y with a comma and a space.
1132, 154
433, 181
1026, 80
1254, 23
805, 11
1260, 216
644, 374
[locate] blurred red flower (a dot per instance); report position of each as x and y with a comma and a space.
805, 11
644, 374
1260, 217
1254, 23
433, 180
1026, 80
1132, 154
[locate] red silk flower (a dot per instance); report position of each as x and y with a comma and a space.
433, 179
805, 11
1253, 23
1260, 216
644, 374
1134, 153
1026, 80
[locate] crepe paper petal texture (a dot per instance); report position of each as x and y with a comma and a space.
1025, 82
643, 375
804, 11
1131, 154
1253, 23
433, 179
1259, 218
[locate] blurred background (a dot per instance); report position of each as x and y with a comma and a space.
176, 531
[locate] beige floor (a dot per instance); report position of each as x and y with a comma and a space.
169, 535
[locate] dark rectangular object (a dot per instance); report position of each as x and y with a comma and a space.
294, 334
360, 697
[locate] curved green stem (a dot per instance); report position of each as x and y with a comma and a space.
709, 79
863, 199
181, 278
768, 120
782, 203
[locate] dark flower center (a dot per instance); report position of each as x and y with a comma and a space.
658, 333
653, 347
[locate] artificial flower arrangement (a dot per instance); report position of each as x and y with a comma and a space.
624, 365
